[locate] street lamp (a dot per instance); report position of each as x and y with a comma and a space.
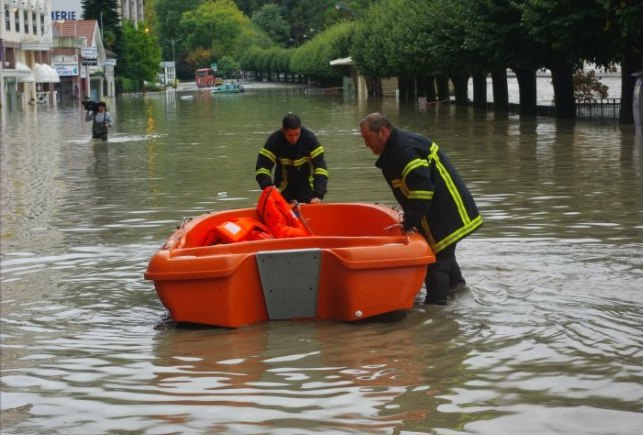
173, 41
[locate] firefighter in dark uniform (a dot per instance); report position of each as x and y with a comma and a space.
434, 198
300, 171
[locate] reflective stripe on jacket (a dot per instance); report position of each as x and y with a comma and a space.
300, 171
434, 198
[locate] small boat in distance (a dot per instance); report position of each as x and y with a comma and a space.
356, 264
228, 88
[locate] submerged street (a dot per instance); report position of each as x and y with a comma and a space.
545, 339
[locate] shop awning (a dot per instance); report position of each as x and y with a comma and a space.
22, 73
44, 73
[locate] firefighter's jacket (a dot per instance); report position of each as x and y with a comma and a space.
433, 197
299, 170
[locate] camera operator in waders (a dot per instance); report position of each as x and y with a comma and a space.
97, 113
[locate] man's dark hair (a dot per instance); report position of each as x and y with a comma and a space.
291, 121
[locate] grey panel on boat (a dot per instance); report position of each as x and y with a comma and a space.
290, 280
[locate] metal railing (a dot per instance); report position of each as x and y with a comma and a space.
606, 108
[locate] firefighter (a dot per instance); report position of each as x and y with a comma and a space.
434, 198
297, 158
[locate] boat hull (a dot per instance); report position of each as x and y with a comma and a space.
350, 269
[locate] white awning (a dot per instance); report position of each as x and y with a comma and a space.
44, 73
342, 61
23, 73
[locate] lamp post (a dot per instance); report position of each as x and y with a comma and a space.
173, 41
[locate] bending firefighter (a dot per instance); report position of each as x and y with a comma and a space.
434, 198
297, 158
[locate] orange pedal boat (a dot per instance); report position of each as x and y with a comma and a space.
352, 267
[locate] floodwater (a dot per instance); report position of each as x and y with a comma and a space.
546, 339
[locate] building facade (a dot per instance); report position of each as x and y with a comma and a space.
26, 39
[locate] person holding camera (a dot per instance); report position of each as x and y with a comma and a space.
97, 112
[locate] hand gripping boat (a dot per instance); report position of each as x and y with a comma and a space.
352, 267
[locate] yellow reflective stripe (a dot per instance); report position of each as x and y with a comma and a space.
413, 164
462, 211
317, 151
263, 171
399, 184
266, 153
321, 171
458, 234
301, 162
420, 194
433, 151
285, 162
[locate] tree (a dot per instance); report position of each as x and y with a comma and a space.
105, 12
624, 40
140, 55
571, 30
214, 27
227, 67
271, 21
168, 16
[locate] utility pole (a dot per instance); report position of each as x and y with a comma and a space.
173, 41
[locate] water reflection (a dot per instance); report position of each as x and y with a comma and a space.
546, 337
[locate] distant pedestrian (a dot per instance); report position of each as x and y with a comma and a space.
102, 120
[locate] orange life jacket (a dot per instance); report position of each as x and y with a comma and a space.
273, 209
238, 229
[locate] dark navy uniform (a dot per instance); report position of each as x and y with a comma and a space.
300, 171
435, 201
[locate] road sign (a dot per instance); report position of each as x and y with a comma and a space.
89, 52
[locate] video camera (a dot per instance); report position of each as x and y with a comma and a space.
90, 105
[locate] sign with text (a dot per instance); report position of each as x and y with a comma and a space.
66, 69
89, 52
62, 10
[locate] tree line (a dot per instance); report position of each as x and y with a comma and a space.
424, 43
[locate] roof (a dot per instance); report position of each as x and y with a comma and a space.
77, 28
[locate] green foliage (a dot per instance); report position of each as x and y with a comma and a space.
588, 87
313, 58
570, 29
105, 12
214, 29
140, 54
168, 15
227, 67
269, 18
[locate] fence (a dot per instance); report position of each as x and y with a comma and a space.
607, 108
